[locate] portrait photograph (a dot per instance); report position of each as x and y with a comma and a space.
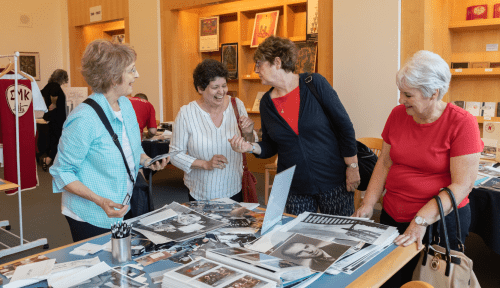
264, 26
29, 62
316, 254
229, 57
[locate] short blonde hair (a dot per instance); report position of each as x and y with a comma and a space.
104, 62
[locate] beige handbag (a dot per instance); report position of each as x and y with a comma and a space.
441, 266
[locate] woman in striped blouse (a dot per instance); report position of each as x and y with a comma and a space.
203, 127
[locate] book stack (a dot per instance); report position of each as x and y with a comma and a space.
485, 109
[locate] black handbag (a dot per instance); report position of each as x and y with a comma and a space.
141, 201
366, 158
441, 266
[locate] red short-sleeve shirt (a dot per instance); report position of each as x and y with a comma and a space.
145, 113
420, 155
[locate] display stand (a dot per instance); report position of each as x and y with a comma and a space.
24, 244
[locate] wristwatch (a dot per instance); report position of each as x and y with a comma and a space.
253, 147
353, 165
421, 221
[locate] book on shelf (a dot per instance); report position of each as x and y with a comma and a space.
480, 65
460, 104
496, 10
473, 108
488, 109
491, 130
477, 12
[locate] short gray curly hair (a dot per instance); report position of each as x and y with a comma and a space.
104, 62
427, 72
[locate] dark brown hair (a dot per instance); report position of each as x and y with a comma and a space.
274, 47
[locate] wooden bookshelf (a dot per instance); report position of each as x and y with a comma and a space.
476, 72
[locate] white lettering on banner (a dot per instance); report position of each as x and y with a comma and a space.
24, 98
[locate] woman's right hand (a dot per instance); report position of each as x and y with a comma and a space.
109, 207
365, 211
218, 161
239, 144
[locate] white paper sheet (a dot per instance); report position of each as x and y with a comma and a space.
155, 238
157, 217
33, 270
87, 248
73, 264
277, 198
82, 276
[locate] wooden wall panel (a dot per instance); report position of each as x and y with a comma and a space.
412, 28
325, 39
79, 13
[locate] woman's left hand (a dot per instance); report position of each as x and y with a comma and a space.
239, 144
353, 179
159, 165
414, 233
246, 125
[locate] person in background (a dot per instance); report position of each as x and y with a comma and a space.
89, 169
428, 144
145, 113
325, 157
56, 102
211, 168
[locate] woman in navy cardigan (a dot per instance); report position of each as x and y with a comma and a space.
295, 126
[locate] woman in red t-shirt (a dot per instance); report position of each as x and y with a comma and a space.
428, 144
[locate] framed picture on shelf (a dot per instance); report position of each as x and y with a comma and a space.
29, 62
312, 21
306, 57
229, 57
209, 34
264, 26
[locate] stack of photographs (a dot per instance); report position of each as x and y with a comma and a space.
186, 225
239, 220
205, 273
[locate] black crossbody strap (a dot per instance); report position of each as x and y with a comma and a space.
105, 121
312, 88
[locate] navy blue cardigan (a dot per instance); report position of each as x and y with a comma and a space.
317, 151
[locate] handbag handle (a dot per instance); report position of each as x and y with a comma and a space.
237, 114
455, 209
446, 241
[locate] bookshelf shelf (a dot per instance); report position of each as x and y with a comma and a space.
471, 25
475, 72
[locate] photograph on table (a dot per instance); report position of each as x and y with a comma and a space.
234, 240
264, 26
316, 254
247, 282
154, 257
229, 57
186, 225
218, 276
196, 268
130, 270
110, 278
330, 227
8, 270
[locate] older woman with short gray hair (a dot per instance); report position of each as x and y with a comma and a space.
89, 170
428, 144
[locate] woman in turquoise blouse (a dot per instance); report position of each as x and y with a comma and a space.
89, 169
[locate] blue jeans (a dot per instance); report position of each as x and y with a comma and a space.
405, 274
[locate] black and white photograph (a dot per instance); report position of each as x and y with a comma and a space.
310, 252
110, 278
186, 225
130, 271
279, 264
154, 257
183, 257
235, 240
247, 282
333, 227
140, 244
196, 268
218, 276
232, 251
